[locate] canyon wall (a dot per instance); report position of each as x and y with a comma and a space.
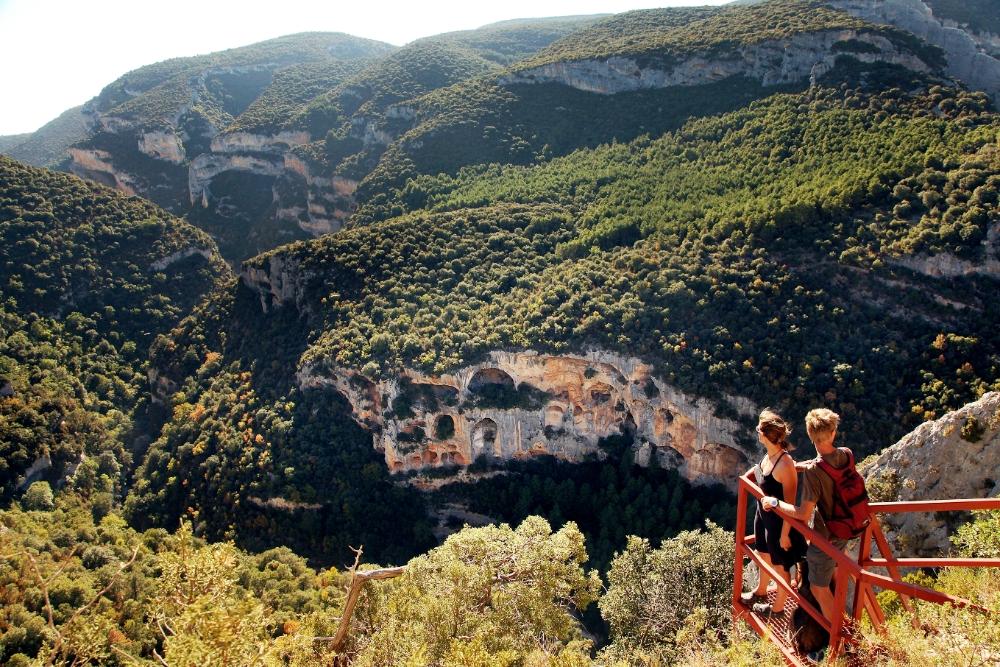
519, 405
800, 58
969, 53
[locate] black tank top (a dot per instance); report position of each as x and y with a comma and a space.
769, 485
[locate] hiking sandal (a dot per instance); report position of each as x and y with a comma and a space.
752, 597
766, 611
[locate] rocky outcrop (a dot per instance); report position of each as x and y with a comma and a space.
283, 504
96, 165
957, 456
328, 203
161, 387
968, 55
34, 471
161, 145
518, 405
798, 59
946, 265
175, 257
235, 142
277, 283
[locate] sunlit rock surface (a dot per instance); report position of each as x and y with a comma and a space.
956, 456
519, 405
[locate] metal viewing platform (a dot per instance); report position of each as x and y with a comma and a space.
857, 577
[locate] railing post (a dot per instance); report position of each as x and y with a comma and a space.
886, 551
741, 529
860, 588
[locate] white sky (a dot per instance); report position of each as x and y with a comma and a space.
56, 54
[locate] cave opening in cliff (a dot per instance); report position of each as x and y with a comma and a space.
491, 385
600, 393
629, 426
444, 427
554, 415
239, 193
484, 435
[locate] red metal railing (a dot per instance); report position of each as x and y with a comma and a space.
850, 570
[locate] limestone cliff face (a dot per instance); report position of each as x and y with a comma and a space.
97, 165
800, 58
181, 255
518, 405
235, 142
971, 54
946, 265
165, 146
279, 282
328, 203
957, 456
37, 467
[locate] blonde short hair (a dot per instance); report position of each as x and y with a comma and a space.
821, 421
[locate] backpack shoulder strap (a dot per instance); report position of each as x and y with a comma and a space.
837, 473
850, 456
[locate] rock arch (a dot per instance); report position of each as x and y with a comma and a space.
485, 377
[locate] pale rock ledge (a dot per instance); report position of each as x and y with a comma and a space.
798, 59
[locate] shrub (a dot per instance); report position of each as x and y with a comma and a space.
652, 592
39, 497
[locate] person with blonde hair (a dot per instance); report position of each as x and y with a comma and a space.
775, 540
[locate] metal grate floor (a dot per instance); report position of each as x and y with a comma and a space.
776, 629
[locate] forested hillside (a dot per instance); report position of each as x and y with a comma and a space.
90, 278
561, 265
761, 253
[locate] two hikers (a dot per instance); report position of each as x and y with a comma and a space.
832, 487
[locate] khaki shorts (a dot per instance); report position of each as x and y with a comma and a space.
822, 565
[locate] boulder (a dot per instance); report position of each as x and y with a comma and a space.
956, 456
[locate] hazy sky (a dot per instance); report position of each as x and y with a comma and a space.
56, 54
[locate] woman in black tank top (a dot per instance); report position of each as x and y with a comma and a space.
776, 541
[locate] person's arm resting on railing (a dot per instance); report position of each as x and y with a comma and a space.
802, 513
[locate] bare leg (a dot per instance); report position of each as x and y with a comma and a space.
764, 578
825, 598
782, 595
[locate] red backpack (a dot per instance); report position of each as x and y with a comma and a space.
850, 514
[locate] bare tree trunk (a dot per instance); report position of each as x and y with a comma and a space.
358, 580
